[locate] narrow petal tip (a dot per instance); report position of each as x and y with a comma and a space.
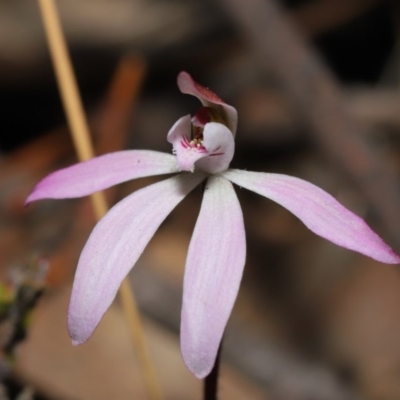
80, 329
76, 342
33, 196
199, 361
200, 371
391, 256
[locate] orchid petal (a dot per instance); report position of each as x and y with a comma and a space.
102, 172
179, 137
318, 210
114, 246
213, 272
220, 145
212, 156
209, 99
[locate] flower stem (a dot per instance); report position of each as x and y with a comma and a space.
80, 134
211, 380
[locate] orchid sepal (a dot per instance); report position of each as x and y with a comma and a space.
213, 272
318, 210
115, 245
101, 173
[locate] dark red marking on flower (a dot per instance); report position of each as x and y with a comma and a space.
202, 117
217, 154
185, 142
207, 93
188, 85
201, 149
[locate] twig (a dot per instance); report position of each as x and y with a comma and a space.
81, 137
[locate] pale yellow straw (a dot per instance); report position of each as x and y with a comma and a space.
81, 137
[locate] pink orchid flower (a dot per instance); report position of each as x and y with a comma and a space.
203, 148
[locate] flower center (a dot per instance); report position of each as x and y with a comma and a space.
196, 142
202, 117
196, 138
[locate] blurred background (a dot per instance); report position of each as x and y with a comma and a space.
316, 86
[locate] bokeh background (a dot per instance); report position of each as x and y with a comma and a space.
316, 86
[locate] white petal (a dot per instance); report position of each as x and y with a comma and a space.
102, 172
214, 268
318, 210
114, 246
220, 145
179, 137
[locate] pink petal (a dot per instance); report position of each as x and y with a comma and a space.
213, 156
214, 268
318, 210
179, 137
209, 99
114, 246
102, 172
